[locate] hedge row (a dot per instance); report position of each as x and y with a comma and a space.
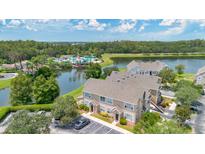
4, 111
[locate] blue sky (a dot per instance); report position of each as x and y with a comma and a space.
101, 29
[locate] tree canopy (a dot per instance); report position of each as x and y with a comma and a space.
24, 122
93, 71
108, 70
182, 113
186, 95
45, 90
180, 68
152, 123
16, 51
21, 90
167, 75
65, 109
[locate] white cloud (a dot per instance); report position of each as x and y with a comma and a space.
167, 22
94, 23
125, 26
42, 20
3, 21
14, 23
91, 24
201, 22
178, 29
142, 27
31, 28
82, 24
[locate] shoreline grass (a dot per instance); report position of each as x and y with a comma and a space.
108, 59
5, 83
76, 92
185, 76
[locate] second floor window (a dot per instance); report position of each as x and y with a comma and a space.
102, 99
87, 95
129, 106
109, 100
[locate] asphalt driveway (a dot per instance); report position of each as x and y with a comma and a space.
92, 128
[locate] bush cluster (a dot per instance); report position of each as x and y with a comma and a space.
4, 111
104, 114
123, 121
83, 107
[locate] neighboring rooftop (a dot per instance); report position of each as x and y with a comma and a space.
201, 71
149, 66
123, 87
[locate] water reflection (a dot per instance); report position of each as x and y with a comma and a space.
67, 82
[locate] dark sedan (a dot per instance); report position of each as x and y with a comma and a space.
82, 122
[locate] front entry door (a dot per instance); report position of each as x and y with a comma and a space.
91, 107
116, 117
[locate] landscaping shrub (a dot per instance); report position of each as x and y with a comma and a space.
123, 121
32, 108
166, 102
83, 107
4, 111
104, 114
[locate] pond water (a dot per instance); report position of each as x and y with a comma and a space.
191, 65
70, 80
67, 82
73, 79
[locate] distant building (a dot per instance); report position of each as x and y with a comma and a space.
145, 68
8, 66
200, 76
122, 95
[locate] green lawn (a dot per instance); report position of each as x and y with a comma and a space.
76, 92
5, 83
108, 58
126, 127
122, 69
185, 76
106, 119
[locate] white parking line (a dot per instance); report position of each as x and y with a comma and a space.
109, 131
97, 129
88, 126
106, 124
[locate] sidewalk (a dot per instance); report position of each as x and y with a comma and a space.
171, 111
87, 115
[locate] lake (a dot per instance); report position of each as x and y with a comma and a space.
74, 78
191, 65
67, 82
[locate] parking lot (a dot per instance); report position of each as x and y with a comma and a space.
92, 128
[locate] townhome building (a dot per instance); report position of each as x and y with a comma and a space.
200, 77
145, 68
122, 94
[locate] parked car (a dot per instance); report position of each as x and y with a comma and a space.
82, 122
196, 106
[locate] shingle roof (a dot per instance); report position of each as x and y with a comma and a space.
201, 70
129, 89
154, 66
145, 81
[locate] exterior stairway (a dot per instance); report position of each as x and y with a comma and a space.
154, 103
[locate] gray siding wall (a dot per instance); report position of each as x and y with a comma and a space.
120, 104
